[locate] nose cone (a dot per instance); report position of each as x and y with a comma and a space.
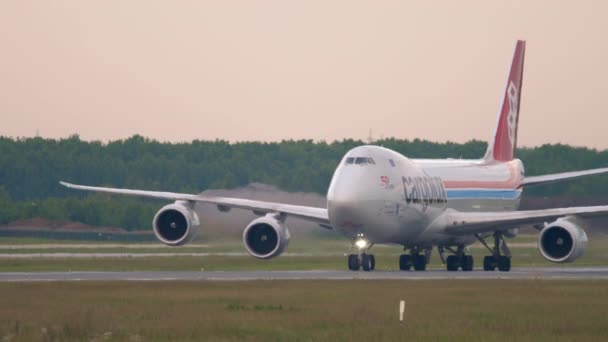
347, 197
347, 184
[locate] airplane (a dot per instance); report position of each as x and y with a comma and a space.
379, 196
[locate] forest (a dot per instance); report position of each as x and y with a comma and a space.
30, 169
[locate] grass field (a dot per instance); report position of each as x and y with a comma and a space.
472, 310
305, 310
303, 253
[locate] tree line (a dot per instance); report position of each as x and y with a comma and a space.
30, 169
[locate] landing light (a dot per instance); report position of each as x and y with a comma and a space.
361, 243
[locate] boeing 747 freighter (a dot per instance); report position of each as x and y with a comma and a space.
379, 196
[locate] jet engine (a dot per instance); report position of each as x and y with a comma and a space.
176, 224
266, 237
562, 241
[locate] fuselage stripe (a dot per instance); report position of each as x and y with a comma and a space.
483, 194
513, 182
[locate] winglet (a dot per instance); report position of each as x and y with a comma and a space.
67, 185
502, 146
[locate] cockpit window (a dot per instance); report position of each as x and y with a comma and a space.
360, 160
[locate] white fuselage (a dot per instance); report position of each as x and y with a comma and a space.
389, 198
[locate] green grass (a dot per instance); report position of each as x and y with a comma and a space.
226, 263
464, 310
317, 254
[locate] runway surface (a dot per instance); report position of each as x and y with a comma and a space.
517, 273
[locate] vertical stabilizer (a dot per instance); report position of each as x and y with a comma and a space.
502, 146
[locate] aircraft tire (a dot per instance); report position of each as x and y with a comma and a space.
372, 259
452, 263
489, 263
353, 262
366, 262
419, 261
467, 263
405, 262
504, 263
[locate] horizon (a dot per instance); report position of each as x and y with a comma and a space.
362, 141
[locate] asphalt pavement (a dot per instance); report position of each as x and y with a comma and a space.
580, 273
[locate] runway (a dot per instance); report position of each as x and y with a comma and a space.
580, 273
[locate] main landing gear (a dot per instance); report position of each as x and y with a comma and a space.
414, 259
361, 260
501, 255
458, 260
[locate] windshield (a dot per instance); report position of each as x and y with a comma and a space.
360, 161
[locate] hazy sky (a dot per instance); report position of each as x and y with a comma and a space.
271, 70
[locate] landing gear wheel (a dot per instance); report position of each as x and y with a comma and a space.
504, 263
366, 262
501, 255
372, 259
489, 263
452, 263
353, 262
467, 263
419, 261
405, 262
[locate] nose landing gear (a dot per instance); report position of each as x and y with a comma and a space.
364, 261
361, 260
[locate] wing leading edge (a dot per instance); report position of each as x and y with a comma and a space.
318, 215
467, 223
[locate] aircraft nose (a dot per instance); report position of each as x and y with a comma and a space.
344, 200
345, 189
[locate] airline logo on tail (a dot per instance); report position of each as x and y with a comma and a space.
502, 146
513, 109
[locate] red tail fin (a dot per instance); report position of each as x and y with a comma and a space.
501, 148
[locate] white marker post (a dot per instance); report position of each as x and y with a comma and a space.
401, 311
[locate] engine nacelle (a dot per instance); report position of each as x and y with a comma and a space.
266, 237
562, 241
176, 224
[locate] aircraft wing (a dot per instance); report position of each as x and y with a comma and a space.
467, 223
555, 177
318, 215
